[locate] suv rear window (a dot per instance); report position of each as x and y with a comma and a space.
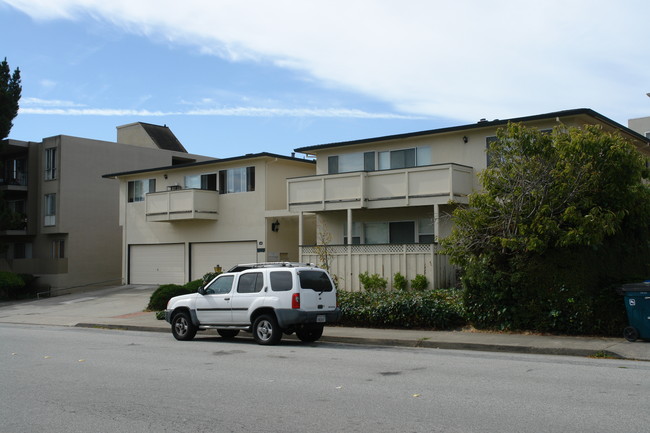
281, 281
317, 281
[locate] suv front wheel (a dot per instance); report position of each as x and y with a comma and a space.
266, 330
182, 327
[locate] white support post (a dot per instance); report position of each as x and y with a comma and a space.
436, 222
348, 247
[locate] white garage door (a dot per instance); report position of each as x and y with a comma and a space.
205, 256
157, 264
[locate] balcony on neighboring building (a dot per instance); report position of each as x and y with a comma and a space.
40, 266
182, 204
14, 224
416, 186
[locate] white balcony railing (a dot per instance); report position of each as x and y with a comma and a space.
184, 204
417, 186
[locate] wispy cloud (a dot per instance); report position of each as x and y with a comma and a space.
67, 108
465, 59
30, 101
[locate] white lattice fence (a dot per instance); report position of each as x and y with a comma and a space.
346, 262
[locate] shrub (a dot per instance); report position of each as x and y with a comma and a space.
164, 293
433, 309
420, 282
399, 281
372, 282
11, 285
209, 277
193, 286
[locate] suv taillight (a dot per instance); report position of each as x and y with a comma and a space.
295, 300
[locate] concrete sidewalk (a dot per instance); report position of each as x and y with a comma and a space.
121, 308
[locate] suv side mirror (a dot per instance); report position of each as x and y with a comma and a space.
201, 290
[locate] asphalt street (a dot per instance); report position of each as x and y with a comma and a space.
70, 379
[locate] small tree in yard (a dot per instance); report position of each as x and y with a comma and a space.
562, 218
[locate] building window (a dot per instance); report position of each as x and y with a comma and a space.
139, 188
201, 181
356, 233
50, 163
404, 158
426, 231
488, 142
348, 162
15, 172
393, 232
234, 180
50, 210
58, 249
22, 250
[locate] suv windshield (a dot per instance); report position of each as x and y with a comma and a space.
315, 280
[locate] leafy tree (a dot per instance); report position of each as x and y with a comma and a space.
10, 90
562, 218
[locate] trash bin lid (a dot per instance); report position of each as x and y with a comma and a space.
636, 287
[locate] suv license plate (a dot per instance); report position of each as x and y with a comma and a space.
320, 319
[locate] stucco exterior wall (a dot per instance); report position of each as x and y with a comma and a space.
242, 216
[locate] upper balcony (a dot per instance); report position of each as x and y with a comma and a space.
183, 204
416, 186
16, 181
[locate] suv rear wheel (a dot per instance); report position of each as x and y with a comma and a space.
309, 334
182, 327
266, 330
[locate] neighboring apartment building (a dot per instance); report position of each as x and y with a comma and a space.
181, 222
383, 203
640, 125
66, 231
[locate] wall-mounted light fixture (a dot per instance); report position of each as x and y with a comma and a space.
275, 227
465, 139
165, 175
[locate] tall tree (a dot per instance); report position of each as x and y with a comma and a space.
10, 90
561, 219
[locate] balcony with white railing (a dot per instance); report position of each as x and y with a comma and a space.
184, 204
416, 186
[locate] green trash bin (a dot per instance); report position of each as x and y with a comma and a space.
637, 305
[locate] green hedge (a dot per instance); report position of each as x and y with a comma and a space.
164, 293
433, 309
17, 286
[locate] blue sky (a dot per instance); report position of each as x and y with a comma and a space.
235, 77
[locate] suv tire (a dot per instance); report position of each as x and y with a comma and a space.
309, 334
266, 330
182, 327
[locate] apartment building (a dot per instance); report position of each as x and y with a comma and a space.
65, 228
381, 204
180, 222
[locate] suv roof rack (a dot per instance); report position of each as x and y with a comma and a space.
244, 266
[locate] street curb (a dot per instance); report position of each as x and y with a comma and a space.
422, 343
121, 327
446, 345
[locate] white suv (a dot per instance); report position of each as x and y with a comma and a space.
267, 299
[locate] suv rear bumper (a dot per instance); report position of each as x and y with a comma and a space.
288, 317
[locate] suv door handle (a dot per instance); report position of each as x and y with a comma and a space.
226, 299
